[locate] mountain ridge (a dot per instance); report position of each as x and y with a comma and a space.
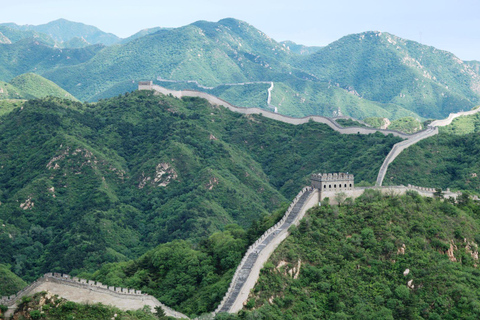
370, 74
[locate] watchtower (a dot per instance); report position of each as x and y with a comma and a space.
336, 182
145, 85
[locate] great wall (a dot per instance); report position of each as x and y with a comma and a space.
247, 272
87, 291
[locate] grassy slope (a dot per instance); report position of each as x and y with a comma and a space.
31, 85
8, 105
447, 160
33, 55
10, 283
352, 264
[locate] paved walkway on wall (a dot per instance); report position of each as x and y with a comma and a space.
248, 271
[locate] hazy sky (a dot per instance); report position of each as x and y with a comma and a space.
452, 25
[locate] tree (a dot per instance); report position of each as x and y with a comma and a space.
438, 193
160, 312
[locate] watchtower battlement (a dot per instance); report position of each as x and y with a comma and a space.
333, 181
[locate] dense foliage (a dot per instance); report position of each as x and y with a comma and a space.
382, 257
85, 184
447, 160
190, 278
407, 125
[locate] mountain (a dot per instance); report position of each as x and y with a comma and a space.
299, 48
62, 30
475, 65
381, 67
13, 35
229, 51
141, 33
31, 86
372, 74
86, 184
4, 39
32, 55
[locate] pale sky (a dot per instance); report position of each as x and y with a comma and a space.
452, 25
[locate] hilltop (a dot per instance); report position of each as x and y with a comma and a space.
31, 86
381, 67
61, 33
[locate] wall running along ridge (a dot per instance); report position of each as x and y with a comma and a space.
268, 114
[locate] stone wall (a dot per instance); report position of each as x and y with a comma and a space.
399, 147
392, 190
258, 253
272, 115
87, 291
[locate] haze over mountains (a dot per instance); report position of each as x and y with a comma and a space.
363, 75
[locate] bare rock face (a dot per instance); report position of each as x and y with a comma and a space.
385, 124
450, 251
164, 174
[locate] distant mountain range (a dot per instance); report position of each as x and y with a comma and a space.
371, 74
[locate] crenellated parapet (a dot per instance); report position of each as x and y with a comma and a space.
88, 291
72, 281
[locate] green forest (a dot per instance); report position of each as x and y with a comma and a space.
87, 184
379, 257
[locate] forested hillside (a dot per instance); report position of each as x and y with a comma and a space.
382, 67
85, 184
382, 257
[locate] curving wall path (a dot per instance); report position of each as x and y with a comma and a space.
430, 131
272, 115
248, 270
396, 149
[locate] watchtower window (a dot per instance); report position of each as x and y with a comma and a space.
330, 186
350, 185
345, 185
334, 185
325, 186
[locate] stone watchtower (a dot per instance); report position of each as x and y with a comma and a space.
328, 184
